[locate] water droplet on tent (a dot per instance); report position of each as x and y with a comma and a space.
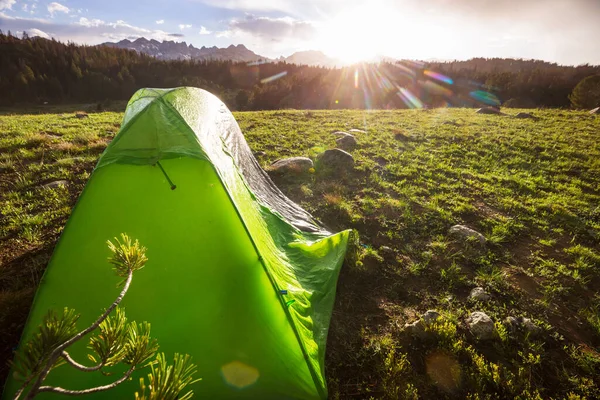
239, 375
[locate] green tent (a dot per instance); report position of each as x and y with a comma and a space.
238, 276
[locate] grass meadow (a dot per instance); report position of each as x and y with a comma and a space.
531, 187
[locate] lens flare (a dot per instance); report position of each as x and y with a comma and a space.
409, 99
239, 375
439, 77
436, 89
274, 77
485, 97
356, 78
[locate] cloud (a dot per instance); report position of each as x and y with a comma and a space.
277, 29
88, 31
204, 31
184, 26
7, 4
160, 22
36, 32
57, 7
90, 23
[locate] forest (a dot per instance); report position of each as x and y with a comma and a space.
34, 70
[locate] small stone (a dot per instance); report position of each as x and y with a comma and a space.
55, 184
260, 154
595, 111
489, 110
481, 325
529, 326
357, 131
466, 234
416, 329
296, 165
525, 115
479, 294
512, 323
430, 316
400, 136
335, 160
81, 114
341, 133
347, 142
386, 250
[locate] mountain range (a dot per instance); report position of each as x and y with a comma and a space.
171, 50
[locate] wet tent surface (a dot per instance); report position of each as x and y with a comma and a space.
203, 289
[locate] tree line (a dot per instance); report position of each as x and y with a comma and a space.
37, 70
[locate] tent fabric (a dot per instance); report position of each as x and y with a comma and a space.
238, 276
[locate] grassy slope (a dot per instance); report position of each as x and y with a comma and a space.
531, 187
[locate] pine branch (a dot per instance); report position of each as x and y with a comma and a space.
80, 367
68, 392
58, 351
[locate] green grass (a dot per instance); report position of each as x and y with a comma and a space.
532, 188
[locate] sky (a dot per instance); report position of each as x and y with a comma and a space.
562, 31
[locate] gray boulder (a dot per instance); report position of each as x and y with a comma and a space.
479, 294
347, 142
296, 165
512, 323
386, 250
524, 115
481, 325
529, 326
430, 316
417, 328
55, 184
335, 160
489, 110
465, 234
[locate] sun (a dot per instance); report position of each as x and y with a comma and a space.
361, 33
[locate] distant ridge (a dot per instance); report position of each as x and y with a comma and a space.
312, 58
171, 50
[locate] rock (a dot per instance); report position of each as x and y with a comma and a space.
481, 325
260, 154
81, 114
512, 323
417, 328
357, 131
296, 165
401, 137
479, 294
528, 325
347, 142
430, 316
466, 234
386, 250
335, 160
55, 184
489, 110
525, 115
595, 111
341, 133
